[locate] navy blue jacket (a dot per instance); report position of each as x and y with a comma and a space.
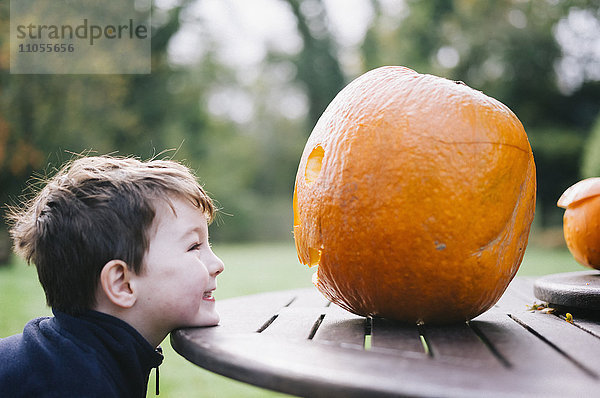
91, 355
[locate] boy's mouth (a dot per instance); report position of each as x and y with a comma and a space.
208, 296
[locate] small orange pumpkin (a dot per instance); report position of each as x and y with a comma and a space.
581, 221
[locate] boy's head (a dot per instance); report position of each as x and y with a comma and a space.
94, 210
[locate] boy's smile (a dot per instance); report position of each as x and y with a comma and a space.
180, 269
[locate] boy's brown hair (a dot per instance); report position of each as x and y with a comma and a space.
96, 209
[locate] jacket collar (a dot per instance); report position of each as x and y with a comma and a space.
127, 355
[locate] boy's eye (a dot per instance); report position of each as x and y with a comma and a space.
195, 246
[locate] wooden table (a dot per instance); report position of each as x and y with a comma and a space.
297, 342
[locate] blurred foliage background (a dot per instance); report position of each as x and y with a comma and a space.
236, 87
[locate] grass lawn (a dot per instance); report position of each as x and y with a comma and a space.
248, 269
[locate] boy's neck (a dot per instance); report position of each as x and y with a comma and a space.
131, 317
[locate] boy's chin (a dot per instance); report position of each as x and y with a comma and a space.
211, 319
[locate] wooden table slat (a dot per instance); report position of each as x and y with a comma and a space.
315, 300
591, 326
581, 347
526, 353
294, 323
341, 327
460, 342
252, 317
390, 335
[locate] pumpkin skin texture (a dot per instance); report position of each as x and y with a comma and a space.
414, 196
581, 221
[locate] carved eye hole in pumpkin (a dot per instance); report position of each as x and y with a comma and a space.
308, 254
314, 164
314, 256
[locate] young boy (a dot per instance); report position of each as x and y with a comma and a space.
121, 250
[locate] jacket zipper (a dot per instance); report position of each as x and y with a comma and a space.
160, 351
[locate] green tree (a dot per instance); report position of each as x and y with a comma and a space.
319, 70
591, 158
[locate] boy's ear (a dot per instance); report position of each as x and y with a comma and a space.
115, 279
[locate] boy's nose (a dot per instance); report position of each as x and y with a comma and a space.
217, 266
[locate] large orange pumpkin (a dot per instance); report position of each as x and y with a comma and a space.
581, 221
414, 196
